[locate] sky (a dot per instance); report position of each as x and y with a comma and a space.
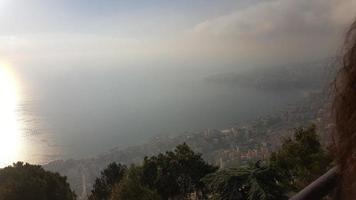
122, 68
157, 30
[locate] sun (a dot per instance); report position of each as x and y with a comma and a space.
10, 143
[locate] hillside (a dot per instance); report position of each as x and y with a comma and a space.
243, 142
304, 76
231, 146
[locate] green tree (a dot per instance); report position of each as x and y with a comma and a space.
176, 173
31, 182
103, 185
301, 159
298, 162
253, 182
131, 187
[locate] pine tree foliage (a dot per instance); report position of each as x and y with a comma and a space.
245, 183
103, 185
301, 159
131, 188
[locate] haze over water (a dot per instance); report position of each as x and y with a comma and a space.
117, 107
83, 77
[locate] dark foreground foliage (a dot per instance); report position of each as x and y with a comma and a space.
253, 182
296, 164
174, 174
31, 182
301, 159
183, 174
132, 188
103, 185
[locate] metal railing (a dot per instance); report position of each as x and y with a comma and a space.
321, 187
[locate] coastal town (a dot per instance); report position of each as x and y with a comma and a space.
238, 145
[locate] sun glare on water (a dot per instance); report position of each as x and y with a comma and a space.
10, 137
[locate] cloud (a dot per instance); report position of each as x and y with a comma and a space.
289, 29
273, 31
282, 17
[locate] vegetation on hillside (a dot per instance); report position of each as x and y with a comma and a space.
254, 182
183, 174
103, 185
132, 188
301, 159
31, 182
174, 174
298, 162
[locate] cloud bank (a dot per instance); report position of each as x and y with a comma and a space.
276, 29
267, 32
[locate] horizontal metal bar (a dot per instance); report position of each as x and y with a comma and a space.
320, 187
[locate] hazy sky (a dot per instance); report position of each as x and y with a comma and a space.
94, 74
200, 31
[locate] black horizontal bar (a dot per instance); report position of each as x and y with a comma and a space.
320, 187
